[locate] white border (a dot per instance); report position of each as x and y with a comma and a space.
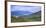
24, 23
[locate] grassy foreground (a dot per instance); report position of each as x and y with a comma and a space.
25, 19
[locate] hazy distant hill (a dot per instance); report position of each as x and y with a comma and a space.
37, 13
35, 16
19, 13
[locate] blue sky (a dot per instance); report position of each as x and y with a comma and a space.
25, 8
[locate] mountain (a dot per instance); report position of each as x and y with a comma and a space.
20, 13
37, 14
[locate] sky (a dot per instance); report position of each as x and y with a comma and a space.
25, 8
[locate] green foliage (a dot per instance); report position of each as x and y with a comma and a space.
13, 19
27, 19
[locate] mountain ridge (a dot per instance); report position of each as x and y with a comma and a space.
17, 13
